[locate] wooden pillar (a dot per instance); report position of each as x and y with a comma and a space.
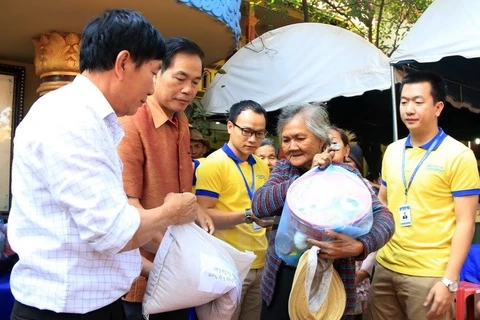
57, 59
248, 23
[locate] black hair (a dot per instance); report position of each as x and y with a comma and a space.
178, 45
243, 105
343, 135
437, 84
106, 35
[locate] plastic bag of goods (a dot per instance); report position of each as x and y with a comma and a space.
322, 199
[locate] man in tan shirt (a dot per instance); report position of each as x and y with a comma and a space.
156, 150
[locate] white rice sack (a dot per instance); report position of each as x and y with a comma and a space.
194, 269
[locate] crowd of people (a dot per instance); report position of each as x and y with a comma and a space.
94, 194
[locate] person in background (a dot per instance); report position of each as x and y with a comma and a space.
376, 182
8, 257
355, 158
156, 151
430, 182
341, 140
364, 269
199, 146
70, 222
304, 130
226, 182
268, 152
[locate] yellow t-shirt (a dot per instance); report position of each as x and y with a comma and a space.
423, 249
219, 177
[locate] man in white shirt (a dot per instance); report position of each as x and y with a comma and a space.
70, 222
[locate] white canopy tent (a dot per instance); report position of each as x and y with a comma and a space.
446, 40
299, 63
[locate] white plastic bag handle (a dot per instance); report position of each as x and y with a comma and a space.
317, 280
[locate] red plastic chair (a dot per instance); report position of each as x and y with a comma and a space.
465, 300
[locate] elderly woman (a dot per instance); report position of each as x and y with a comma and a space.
304, 131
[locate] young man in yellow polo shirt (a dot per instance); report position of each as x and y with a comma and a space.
226, 181
430, 183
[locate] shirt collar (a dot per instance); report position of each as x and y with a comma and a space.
439, 137
233, 156
159, 116
102, 106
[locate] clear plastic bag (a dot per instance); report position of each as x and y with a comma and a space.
330, 199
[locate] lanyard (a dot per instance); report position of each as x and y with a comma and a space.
250, 190
425, 156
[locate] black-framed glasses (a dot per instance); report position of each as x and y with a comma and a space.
248, 132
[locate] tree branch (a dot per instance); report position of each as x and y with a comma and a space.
395, 45
305, 10
379, 20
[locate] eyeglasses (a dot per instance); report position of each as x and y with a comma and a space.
248, 133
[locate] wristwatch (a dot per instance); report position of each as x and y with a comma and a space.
248, 216
450, 284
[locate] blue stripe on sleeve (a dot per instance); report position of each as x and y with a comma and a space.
384, 183
464, 193
207, 193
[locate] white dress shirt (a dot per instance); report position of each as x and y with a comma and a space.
70, 216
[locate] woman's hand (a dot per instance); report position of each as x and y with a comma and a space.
324, 159
340, 246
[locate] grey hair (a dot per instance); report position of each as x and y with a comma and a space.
314, 115
270, 142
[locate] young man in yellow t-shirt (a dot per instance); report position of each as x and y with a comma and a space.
226, 181
430, 183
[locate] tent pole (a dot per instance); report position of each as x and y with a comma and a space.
394, 107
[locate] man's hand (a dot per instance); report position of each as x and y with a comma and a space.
441, 299
181, 207
205, 221
265, 222
340, 246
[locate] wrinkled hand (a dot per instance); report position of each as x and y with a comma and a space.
440, 298
324, 159
181, 207
340, 246
205, 221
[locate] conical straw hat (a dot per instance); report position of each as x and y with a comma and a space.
324, 287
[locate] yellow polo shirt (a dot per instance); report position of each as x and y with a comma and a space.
423, 249
219, 177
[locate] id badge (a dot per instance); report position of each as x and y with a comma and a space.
256, 227
405, 216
